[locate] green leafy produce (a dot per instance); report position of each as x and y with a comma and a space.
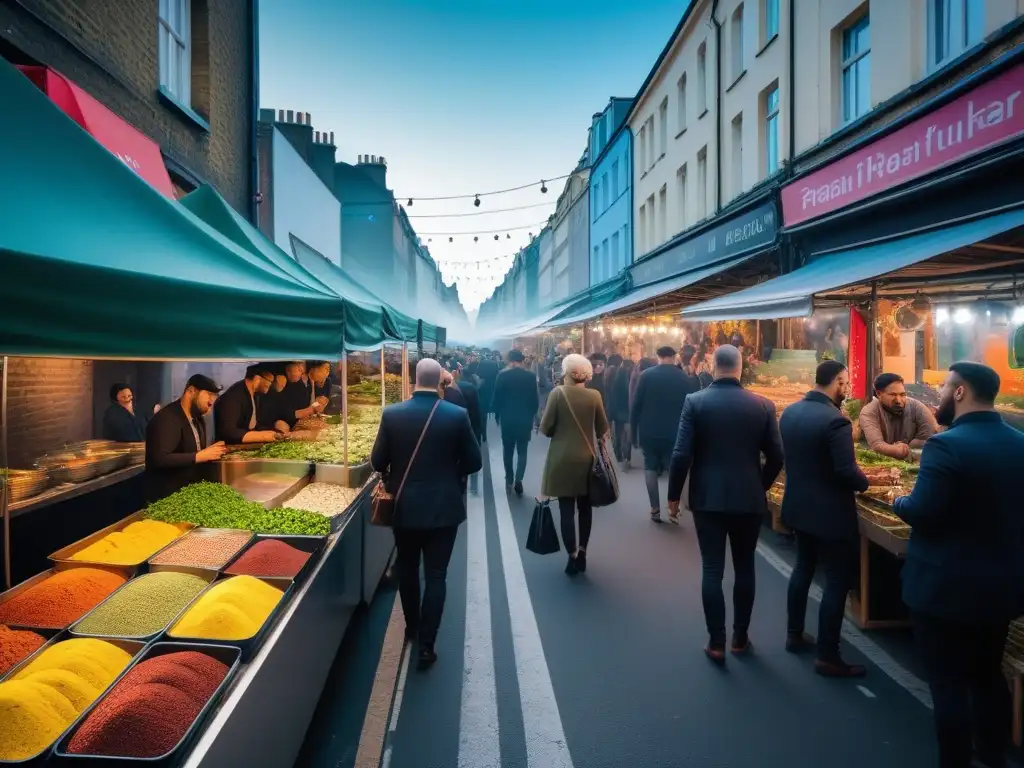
870, 458
213, 505
329, 447
853, 408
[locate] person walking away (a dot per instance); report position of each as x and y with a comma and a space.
573, 418
634, 378
618, 413
425, 448
822, 479
450, 393
723, 434
893, 423
472, 397
598, 363
545, 385
964, 574
488, 372
516, 404
654, 421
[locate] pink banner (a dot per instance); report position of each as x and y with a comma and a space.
988, 115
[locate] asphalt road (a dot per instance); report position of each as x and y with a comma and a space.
606, 670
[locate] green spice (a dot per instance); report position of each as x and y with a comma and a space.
870, 458
329, 447
144, 606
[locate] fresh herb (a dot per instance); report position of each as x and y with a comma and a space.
870, 458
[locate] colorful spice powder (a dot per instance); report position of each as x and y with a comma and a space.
204, 549
136, 543
151, 708
144, 606
15, 646
61, 599
232, 609
43, 699
270, 557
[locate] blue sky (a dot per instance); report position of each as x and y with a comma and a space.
461, 96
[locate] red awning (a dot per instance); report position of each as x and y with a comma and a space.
128, 144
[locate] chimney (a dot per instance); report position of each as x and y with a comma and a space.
316, 137
374, 168
322, 159
290, 116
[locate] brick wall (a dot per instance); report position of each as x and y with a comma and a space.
49, 403
109, 48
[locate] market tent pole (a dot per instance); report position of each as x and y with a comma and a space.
344, 410
405, 370
383, 394
4, 467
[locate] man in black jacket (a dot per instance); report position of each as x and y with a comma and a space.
822, 478
516, 402
176, 440
427, 448
723, 433
964, 575
654, 421
236, 413
487, 371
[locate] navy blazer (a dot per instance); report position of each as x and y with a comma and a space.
658, 404
822, 476
965, 561
723, 432
432, 497
516, 401
472, 398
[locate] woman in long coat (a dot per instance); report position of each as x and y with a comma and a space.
574, 419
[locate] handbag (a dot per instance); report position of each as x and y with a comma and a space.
382, 503
542, 538
602, 484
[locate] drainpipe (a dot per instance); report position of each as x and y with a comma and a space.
254, 171
792, 81
718, 105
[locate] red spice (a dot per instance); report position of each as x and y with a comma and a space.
151, 709
16, 646
270, 557
61, 599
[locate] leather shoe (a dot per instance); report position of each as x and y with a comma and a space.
802, 643
427, 657
839, 668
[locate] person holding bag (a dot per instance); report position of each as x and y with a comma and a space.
575, 420
424, 450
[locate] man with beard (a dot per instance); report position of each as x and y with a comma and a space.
893, 423
822, 479
176, 439
964, 574
236, 415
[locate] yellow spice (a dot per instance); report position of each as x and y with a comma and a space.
233, 609
137, 542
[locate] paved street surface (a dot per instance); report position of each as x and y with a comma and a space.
539, 670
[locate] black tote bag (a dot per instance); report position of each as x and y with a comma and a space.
542, 538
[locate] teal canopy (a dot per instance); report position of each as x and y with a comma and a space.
594, 298
96, 263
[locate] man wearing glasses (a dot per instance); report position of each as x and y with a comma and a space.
235, 415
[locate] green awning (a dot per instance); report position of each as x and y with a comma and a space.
594, 298
96, 263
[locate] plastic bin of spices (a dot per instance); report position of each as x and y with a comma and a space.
285, 557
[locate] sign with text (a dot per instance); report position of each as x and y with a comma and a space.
746, 232
986, 116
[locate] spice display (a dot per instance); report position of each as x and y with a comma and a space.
270, 557
145, 606
324, 498
43, 699
16, 645
213, 505
61, 599
130, 546
204, 549
328, 446
232, 609
151, 708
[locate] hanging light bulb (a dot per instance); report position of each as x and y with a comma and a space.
508, 236
476, 202
410, 202
475, 238
495, 237
451, 239
543, 187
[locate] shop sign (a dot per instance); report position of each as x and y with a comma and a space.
988, 115
746, 232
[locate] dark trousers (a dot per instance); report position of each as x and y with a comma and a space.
435, 545
515, 443
839, 561
567, 507
620, 440
970, 695
742, 530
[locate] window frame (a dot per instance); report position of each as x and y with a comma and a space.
663, 127
650, 142
167, 36
850, 64
770, 32
702, 183
702, 77
771, 126
615, 180
954, 48
681, 173
737, 24
681, 104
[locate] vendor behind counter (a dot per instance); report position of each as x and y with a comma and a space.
236, 415
120, 421
893, 423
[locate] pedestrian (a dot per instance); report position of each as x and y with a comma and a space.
598, 362
618, 413
471, 396
654, 421
573, 418
723, 434
487, 371
516, 403
425, 449
964, 574
451, 393
822, 479
545, 385
634, 378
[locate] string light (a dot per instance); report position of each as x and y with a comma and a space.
475, 195
505, 230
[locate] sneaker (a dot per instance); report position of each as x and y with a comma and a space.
838, 668
518, 489
656, 516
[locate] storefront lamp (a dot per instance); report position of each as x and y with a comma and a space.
941, 316
962, 316
1018, 316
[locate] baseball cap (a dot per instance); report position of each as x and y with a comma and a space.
203, 383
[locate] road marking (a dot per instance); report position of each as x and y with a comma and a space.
545, 736
902, 676
479, 735
396, 708
866, 692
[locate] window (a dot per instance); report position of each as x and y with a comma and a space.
771, 130
681, 104
604, 190
702, 184
771, 20
605, 260
642, 142
596, 265
662, 214
602, 132
702, 79
652, 223
736, 33
681, 187
615, 181
953, 27
597, 199
856, 70
615, 249
650, 142
663, 126
737, 155
641, 231
175, 48
626, 242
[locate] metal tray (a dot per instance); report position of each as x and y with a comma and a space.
249, 645
202, 532
312, 544
25, 483
208, 576
49, 634
226, 654
16, 590
131, 646
79, 473
63, 555
354, 476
